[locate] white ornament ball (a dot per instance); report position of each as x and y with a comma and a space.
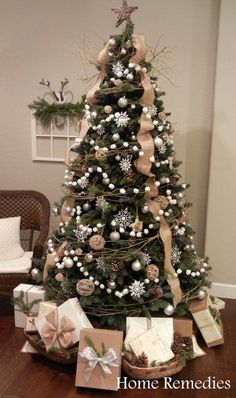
169, 310
112, 41
114, 236
130, 76
136, 266
116, 137
145, 209
68, 262
201, 294
158, 142
122, 102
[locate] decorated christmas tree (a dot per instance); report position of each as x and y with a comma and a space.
124, 246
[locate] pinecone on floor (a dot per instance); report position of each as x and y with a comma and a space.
142, 361
188, 344
157, 291
131, 358
177, 346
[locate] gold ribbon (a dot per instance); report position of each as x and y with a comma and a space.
103, 59
53, 330
51, 259
64, 215
143, 164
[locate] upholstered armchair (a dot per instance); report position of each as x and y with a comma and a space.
34, 210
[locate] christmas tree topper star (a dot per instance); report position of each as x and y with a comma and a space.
123, 13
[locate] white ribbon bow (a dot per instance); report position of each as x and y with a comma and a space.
105, 361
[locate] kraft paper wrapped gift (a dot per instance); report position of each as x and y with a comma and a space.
207, 318
30, 324
31, 293
99, 368
61, 327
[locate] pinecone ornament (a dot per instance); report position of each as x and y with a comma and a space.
157, 291
132, 240
142, 361
129, 174
115, 266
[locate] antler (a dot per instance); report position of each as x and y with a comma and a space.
47, 84
63, 83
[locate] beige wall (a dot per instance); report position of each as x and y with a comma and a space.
39, 38
221, 220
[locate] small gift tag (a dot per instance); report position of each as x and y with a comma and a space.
99, 359
30, 324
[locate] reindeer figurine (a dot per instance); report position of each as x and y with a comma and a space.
60, 96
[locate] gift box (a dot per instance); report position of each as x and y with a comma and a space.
45, 307
61, 327
155, 336
30, 324
26, 302
99, 359
28, 349
207, 318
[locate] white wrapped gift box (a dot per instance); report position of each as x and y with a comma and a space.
31, 293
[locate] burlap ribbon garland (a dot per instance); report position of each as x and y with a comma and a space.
51, 259
54, 331
143, 164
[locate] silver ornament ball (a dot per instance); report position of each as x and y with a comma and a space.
201, 294
111, 284
89, 257
122, 102
169, 310
86, 206
35, 272
136, 266
114, 236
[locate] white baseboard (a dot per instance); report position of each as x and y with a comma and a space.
223, 290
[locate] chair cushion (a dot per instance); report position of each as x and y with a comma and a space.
19, 265
10, 247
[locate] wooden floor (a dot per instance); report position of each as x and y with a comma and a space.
32, 376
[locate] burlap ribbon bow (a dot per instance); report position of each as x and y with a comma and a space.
106, 361
53, 331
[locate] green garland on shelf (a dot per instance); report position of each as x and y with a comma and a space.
46, 112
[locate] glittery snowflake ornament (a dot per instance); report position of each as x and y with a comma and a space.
118, 69
126, 164
101, 203
146, 258
101, 264
121, 119
82, 233
124, 218
137, 289
175, 255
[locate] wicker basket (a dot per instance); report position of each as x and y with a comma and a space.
66, 357
155, 372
